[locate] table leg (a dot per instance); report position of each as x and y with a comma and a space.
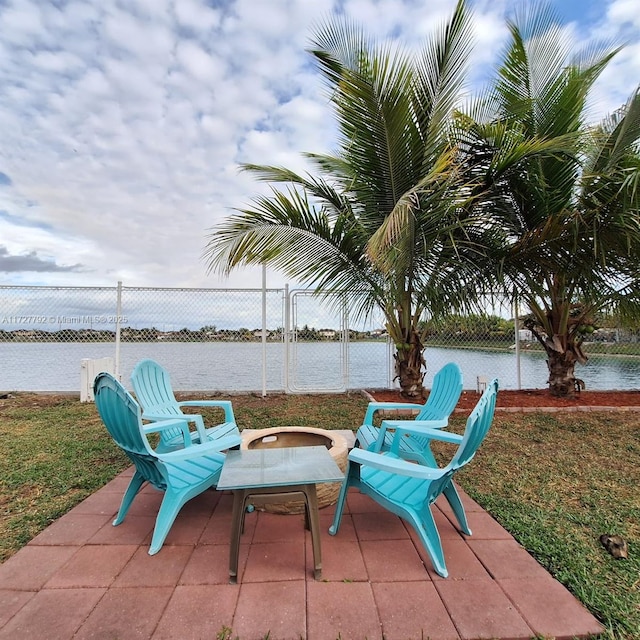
237, 518
268, 495
314, 526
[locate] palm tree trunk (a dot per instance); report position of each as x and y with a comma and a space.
562, 380
410, 366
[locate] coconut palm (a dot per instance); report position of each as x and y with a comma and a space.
331, 230
564, 230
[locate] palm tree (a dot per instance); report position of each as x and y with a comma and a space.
563, 230
332, 230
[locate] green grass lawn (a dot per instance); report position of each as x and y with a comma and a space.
555, 481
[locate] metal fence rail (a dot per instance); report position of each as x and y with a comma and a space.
260, 340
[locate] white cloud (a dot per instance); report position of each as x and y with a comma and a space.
624, 12
202, 66
124, 122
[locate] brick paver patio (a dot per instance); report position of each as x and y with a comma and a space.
84, 578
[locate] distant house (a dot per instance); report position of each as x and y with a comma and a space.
328, 334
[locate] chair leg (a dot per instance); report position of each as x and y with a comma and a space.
337, 518
171, 505
452, 496
135, 484
351, 479
425, 527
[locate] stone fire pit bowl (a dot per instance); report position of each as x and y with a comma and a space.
301, 437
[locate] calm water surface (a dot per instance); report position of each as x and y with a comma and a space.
315, 366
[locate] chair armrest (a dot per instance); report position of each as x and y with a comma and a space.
430, 434
420, 425
161, 425
160, 417
227, 442
210, 449
222, 404
392, 464
380, 406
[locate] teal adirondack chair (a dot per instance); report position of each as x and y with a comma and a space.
409, 489
152, 386
181, 474
433, 414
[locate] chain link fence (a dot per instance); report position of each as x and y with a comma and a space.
273, 340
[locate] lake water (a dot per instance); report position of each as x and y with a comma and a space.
315, 366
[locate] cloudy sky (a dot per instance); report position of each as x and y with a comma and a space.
124, 121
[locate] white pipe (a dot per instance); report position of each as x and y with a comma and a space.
264, 330
286, 336
118, 318
516, 321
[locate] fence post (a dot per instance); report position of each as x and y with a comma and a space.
516, 321
264, 330
118, 318
390, 362
345, 345
286, 336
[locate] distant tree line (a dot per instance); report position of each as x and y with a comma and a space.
204, 334
474, 328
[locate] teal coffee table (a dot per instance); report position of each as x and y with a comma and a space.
264, 476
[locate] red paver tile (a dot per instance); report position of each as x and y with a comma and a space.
507, 559
360, 503
446, 528
346, 532
119, 484
412, 610
276, 608
550, 609
341, 560
31, 567
197, 612
186, 529
275, 561
225, 501
100, 503
480, 609
92, 566
134, 530
161, 570
273, 527
218, 528
342, 610
461, 562
484, 527
209, 564
379, 526
126, 613
11, 602
52, 613
146, 503
71, 529
393, 560
201, 505
468, 503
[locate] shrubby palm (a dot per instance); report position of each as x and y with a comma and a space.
563, 226
334, 230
